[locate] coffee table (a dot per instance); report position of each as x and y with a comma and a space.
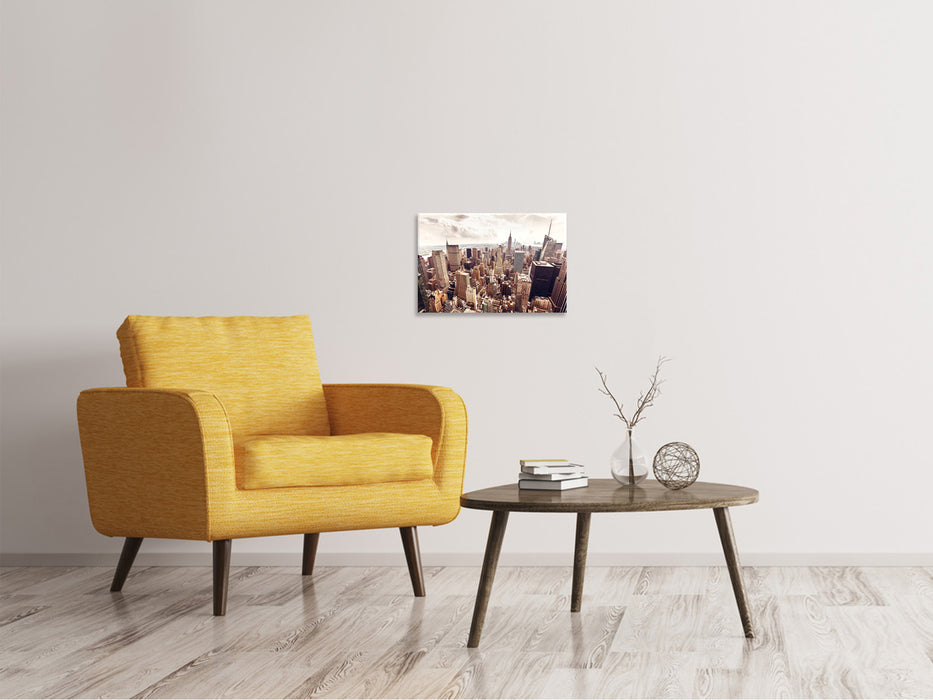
603, 496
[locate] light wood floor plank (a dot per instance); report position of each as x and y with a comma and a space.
359, 632
845, 586
14, 579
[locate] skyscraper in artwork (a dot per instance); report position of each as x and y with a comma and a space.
543, 275
453, 256
522, 292
440, 269
462, 283
559, 292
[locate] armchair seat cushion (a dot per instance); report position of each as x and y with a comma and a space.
276, 461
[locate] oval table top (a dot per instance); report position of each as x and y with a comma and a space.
609, 496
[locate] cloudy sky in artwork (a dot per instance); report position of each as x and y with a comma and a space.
489, 229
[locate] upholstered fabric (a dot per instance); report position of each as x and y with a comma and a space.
166, 457
263, 369
147, 457
435, 411
160, 463
274, 461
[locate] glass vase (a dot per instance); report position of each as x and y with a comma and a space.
629, 462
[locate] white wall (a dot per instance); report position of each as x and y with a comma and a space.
747, 187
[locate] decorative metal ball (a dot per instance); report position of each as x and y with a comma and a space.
676, 465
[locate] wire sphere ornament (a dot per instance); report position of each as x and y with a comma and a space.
676, 465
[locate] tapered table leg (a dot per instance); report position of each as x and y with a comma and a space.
724, 525
490, 560
579, 560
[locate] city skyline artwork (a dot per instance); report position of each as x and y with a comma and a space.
492, 263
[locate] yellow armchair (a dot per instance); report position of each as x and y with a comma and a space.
225, 431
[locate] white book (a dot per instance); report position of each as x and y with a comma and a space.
551, 477
566, 469
547, 463
553, 485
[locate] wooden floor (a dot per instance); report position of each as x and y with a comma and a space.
358, 632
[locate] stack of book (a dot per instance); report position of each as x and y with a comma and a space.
551, 475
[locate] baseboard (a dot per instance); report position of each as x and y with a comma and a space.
429, 559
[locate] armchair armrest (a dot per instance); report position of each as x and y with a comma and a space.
435, 411
152, 457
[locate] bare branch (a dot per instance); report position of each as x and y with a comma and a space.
605, 390
645, 399
654, 390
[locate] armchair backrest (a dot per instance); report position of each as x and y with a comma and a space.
263, 369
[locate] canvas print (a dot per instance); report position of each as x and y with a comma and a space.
492, 263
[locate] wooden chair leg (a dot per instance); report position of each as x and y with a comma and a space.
221, 575
309, 552
413, 557
127, 557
